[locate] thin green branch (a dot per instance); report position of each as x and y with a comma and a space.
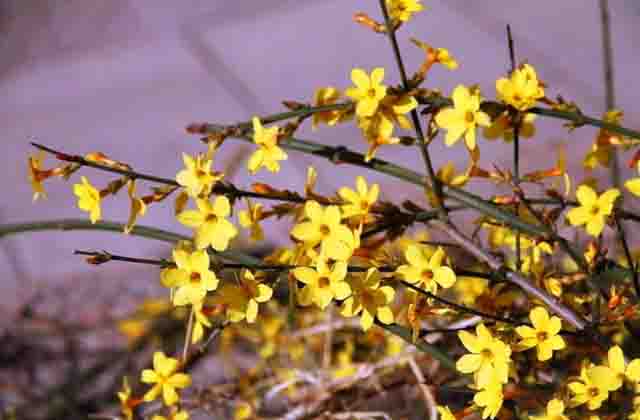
515, 119
252, 263
424, 147
434, 101
115, 227
218, 188
557, 307
609, 85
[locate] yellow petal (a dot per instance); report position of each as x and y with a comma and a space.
469, 363
444, 276
191, 218
179, 380
377, 75
222, 207
586, 195
252, 311
360, 78
633, 185
385, 315
460, 96
539, 318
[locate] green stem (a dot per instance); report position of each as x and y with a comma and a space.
115, 227
424, 147
83, 224
165, 236
218, 188
577, 118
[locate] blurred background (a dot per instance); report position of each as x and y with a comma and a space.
125, 77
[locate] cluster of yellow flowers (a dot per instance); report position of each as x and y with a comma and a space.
392, 280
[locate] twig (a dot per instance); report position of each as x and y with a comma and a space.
515, 118
627, 253
609, 80
218, 188
561, 310
427, 394
328, 340
424, 147
187, 336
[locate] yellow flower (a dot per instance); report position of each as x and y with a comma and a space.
593, 387
633, 185
392, 109
445, 413
88, 199
241, 300
243, 411
491, 398
327, 96
377, 130
127, 403
489, 359
543, 335
434, 55
344, 360
425, 269
268, 153
447, 174
468, 289
210, 223
603, 146
271, 332
322, 284
175, 415
191, 278
250, 219
463, 117
323, 224
197, 178
200, 322
502, 126
165, 379
442, 56
593, 209
555, 411
616, 362
369, 298
359, 202
137, 208
37, 174
522, 89
402, 10
368, 91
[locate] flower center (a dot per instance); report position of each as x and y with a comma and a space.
427, 275
367, 298
364, 205
371, 92
486, 354
593, 391
211, 218
323, 282
200, 173
595, 210
325, 230
195, 278
542, 336
469, 117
